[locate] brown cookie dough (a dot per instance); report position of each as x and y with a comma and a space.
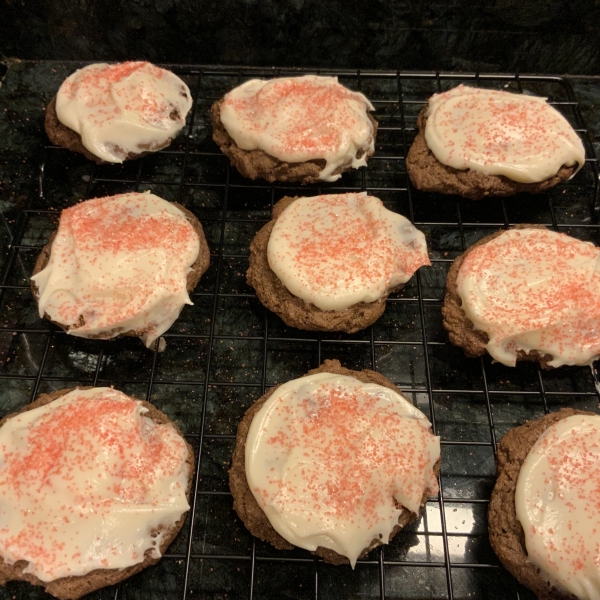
256, 164
506, 534
428, 174
244, 502
72, 588
294, 311
460, 329
61, 135
200, 265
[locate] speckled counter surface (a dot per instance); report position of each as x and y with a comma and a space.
557, 36
226, 349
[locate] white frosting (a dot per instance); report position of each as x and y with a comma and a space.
558, 504
337, 250
118, 264
131, 107
499, 133
85, 482
327, 455
296, 119
534, 289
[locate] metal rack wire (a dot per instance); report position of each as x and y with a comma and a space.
227, 349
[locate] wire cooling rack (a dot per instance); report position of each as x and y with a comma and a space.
226, 350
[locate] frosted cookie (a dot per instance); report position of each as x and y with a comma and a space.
328, 263
95, 486
113, 113
526, 294
544, 519
476, 143
120, 265
305, 129
336, 462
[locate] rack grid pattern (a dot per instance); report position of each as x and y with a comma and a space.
226, 350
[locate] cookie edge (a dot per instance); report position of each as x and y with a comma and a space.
68, 588
257, 164
243, 497
505, 531
197, 269
65, 137
294, 311
461, 330
422, 165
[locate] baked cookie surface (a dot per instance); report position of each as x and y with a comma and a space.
506, 532
54, 469
298, 129
551, 322
253, 516
522, 145
154, 255
335, 252
113, 113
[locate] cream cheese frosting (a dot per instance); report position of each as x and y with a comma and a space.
118, 264
557, 502
337, 250
333, 462
88, 482
123, 109
498, 133
296, 119
534, 289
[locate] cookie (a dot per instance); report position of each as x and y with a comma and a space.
337, 274
477, 143
306, 129
357, 494
509, 498
128, 264
525, 294
113, 113
85, 460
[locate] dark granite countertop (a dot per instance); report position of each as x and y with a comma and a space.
556, 36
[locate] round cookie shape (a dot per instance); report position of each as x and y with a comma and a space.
120, 265
113, 113
337, 250
344, 253
347, 508
305, 129
477, 143
498, 133
526, 294
114, 471
506, 532
558, 507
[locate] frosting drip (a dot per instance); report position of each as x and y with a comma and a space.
86, 482
499, 133
557, 501
125, 108
534, 289
337, 250
296, 119
118, 264
332, 462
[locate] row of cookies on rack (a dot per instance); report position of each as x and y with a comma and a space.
126, 264
472, 142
